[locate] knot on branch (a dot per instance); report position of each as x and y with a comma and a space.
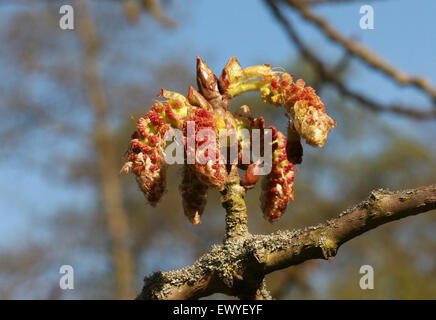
328, 246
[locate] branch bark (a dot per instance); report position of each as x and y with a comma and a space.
236, 210
239, 265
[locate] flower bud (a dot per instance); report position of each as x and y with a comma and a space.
231, 74
310, 118
294, 148
145, 158
250, 178
176, 108
196, 99
207, 110
194, 195
278, 88
212, 173
278, 185
206, 80
312, 122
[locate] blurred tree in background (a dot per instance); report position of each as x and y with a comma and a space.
66, 102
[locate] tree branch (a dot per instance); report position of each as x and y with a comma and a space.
363, 53
319, 2
239, 265
323, 241
330, 76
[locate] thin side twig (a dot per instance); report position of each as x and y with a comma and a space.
329, 76
364, 54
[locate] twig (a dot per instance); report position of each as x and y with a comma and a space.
363, 53
236, 210
154, 7
319, 2
331, 78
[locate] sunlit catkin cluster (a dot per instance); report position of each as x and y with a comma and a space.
207, 108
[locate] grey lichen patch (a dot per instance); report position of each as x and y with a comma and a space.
244, 254
263, 244
263, 292
228, 262
407, 195
380, 193
316, 236
353, 208
161, 284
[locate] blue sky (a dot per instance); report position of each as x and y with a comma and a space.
404, 34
